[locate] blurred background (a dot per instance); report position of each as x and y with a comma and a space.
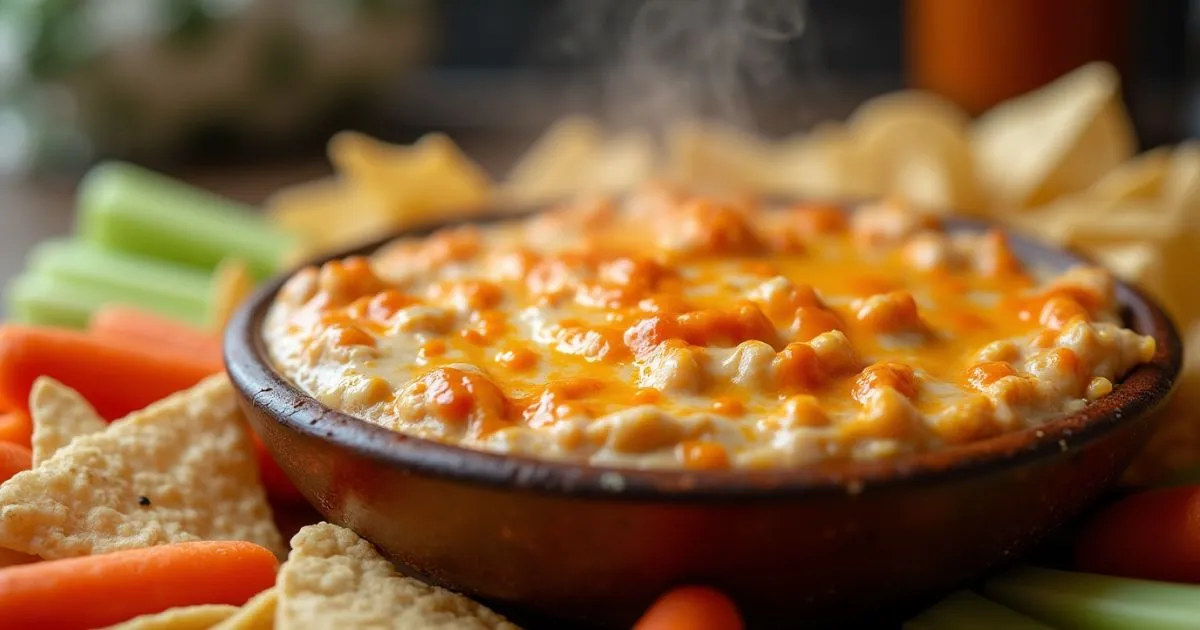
241, 95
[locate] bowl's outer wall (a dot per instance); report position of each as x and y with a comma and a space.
819, 559
527, 540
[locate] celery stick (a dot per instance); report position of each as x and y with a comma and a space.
173, 290
965, 609
131, 209
36, 300
1097, 602
48, 301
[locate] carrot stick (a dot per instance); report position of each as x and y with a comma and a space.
16, 427
13, 459
691, 608
114, 377
1153, 535
97, 591
148, 330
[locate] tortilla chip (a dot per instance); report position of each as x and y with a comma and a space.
556, 165
181, 469
428, 181
257, 614
334, 579
329, 215
232, 284
60, 414
199, 617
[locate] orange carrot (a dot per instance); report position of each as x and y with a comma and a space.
97, 591
113, 376
147, 330
691, 608
1153, 535
15, 427
13, 459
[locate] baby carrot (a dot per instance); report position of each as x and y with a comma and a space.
97, 591
13, 459
16, 427
147, 330
691, 608
113, 376
1153, 535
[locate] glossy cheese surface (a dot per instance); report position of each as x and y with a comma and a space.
668, 331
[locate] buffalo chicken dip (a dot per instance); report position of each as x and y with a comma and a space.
667, 331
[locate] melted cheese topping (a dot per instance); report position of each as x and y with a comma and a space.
666, 331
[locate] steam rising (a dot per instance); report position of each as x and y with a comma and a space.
665, 60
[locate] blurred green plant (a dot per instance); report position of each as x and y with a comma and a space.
142, 78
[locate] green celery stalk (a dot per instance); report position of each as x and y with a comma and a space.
47, 301
98, 275
131, 209
1097, 602
966, 609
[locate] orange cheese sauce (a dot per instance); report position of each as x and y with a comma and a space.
663, 330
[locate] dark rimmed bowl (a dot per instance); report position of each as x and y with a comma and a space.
831, 544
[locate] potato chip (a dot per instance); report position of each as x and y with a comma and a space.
915, 146
257, 614
335, 579
712, 157
1134, 223
60, 414
1181, 185
622, 163
1052, 223
909, 106
1140, 178
1139, 263
199, 617
557, 165
231, 285
820, 164
934, 179
181, 469
1056, 140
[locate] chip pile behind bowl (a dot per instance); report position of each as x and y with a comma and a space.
133, 493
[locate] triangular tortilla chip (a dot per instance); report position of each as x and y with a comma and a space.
257, 614
334, 579
181, 469
199, 617
557, 164
60, 414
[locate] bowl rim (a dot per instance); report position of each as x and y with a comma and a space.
1139, 394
